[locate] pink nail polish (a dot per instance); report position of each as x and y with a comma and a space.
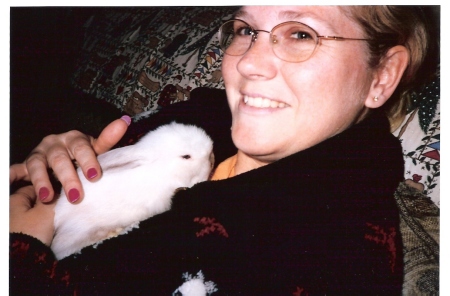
74, 195
43, 193
92, 173
127, 119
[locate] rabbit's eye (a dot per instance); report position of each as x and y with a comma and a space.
187, 156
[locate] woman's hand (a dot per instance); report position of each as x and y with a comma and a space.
58, 152
28, 216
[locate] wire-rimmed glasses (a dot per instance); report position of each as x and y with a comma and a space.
291, 41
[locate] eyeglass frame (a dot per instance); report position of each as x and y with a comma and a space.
273, 40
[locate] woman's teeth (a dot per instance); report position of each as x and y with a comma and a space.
262, 102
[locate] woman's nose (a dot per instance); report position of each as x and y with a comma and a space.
259, 62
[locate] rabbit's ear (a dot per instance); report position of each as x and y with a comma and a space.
120, 159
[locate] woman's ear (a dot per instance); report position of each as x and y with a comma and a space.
387, 76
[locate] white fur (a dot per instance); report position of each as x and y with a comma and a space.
138, 182
195, 285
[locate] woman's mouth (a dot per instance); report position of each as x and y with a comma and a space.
260, 102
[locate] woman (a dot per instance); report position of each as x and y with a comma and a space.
305, 205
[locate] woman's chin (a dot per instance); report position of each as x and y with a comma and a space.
256, 148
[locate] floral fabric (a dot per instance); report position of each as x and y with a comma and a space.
142, 59
420, 138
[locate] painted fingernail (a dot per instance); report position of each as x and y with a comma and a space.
43, 193
92, 173
127, 119
74, 195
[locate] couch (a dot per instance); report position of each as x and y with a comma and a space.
82, 67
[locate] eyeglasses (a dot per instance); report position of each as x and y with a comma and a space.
291, 41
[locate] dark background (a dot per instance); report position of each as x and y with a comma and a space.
44, 45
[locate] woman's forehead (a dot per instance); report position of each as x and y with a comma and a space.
288, 12
324, 17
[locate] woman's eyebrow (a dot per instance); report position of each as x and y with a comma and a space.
282, 15
240, 13
303, 15
291, 14
294, 15
288, 14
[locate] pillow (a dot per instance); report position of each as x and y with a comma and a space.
420, 137
146, 58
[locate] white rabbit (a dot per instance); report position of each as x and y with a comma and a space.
138, 182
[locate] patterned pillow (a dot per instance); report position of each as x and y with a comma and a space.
420, 138
145, 58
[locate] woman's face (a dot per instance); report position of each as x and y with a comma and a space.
308, 101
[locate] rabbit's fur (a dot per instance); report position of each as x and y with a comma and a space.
138, 182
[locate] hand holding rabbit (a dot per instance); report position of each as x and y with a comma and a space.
138, 182
58, 151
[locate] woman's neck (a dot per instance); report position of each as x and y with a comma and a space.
245, 163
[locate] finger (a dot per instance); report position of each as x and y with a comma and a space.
86, 157
56, 152
111, 134
83, 153
36, 166
22, 200
63, 167
18, 172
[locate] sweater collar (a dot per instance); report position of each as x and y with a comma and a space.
369, 140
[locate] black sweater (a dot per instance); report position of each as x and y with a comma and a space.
320, 222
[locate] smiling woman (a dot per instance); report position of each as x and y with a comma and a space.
321, 87
305, 201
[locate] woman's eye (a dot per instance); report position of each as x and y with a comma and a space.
301, 35
244, 31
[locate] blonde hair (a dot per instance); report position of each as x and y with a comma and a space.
410, 26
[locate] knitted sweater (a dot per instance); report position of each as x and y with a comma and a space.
320, 222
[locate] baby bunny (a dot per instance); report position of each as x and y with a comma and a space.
138, 182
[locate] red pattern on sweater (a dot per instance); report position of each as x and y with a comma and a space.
19, 249
385, 238
211, 226
300, 292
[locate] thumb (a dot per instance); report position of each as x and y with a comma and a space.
18, 172
111, 134
23, 199
30, 217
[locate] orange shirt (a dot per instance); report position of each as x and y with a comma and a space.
225, 169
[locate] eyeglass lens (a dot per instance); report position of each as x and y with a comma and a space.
291, 41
